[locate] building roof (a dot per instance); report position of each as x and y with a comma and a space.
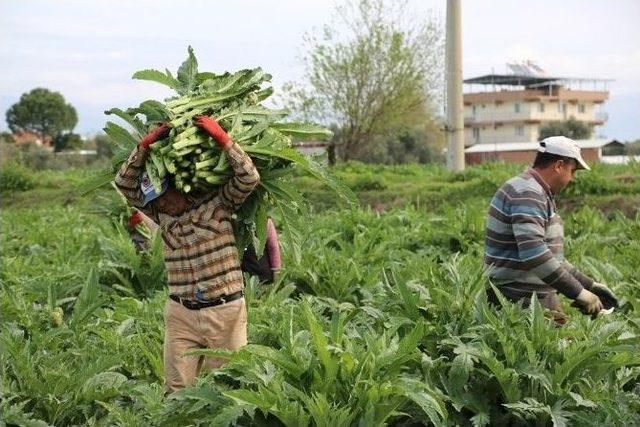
533, 145
528, 80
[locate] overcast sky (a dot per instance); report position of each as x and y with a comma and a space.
88, 50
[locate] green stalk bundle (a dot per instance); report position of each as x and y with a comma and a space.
194, 163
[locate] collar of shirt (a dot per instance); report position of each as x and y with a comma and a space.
544, 185
542, 182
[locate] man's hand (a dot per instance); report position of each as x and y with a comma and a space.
605, 294
588, 302
154, 135
215, 131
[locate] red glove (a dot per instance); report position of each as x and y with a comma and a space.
214, 130
154, 135
134, 219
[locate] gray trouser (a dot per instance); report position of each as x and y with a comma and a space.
548, 300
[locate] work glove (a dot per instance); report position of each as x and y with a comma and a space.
606, 295
134, 220
156, 134
214, 130
588, 302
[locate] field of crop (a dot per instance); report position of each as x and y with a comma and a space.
381, 319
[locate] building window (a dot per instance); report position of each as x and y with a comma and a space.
519, 130
559, 107
473, 110
476, 135
581, 108
541, 107
517, 107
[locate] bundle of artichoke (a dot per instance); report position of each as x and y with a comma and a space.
195, 163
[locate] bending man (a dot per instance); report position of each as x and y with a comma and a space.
525, 236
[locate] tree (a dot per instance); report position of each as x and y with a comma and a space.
42, 112
67, 141
571, 128
103, 146
372, 72
632, 148
6, 137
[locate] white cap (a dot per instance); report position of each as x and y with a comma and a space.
563, 146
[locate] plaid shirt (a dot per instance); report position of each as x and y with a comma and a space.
199, 246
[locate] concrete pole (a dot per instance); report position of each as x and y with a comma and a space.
455, 111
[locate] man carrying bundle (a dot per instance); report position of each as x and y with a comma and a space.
206, 307
525, 236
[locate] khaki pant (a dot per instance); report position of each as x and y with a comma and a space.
222, 326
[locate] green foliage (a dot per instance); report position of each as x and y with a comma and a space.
104, 147
67, 141
571, 128
632, 148
604, 179
372, 71
38, 158
6, 137
42, 112
136, 273
14, 177
382, 320
193, 162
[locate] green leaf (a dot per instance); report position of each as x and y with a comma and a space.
581, 401
158, 77
135, 122
229, 415
154, 111
291, 234
321, 346
188, 72
304, 131
307, 165
430, 403
202, 77
95, 182
120, 136
154, 175
88, 300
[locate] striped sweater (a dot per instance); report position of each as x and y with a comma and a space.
525, 238
199, 246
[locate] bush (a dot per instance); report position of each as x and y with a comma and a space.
368, 183
38, 158
14, 177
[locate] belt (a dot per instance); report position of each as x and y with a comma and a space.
197, 305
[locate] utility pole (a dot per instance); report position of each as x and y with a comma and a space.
455, 121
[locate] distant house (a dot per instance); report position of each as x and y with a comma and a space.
77, 153
30, 137
513, 107
592, 150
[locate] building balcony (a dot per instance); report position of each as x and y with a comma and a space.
500, 120
597, 119
536, 95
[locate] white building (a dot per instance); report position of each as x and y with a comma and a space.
513, 107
